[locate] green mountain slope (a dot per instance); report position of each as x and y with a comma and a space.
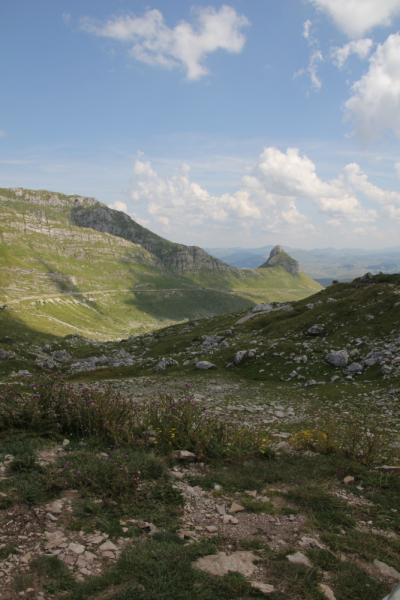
61, 277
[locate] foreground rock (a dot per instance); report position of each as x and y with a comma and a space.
338, 359
204, 365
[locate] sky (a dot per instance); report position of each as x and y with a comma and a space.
218, 125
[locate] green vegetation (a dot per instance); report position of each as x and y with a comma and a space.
59, 278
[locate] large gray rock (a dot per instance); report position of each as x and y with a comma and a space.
4, 354
338, 358
204, 365
239, 356
61, 356
166, 362
223, 345
211, 341
315, 330
386, 370
354, 368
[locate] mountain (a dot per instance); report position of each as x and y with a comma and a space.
279, 258
71, 264
319, 263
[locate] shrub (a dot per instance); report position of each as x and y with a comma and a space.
364, 439
53, 407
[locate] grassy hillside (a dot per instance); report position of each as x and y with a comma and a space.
59, 278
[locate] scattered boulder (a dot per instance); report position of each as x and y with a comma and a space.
386, 570
259, 307
349, 479
367, 278
223, 345
184, 455
239, 356
61, 356
166, 362
386, 370
326, 590
315, 330
204, 365
354, 354
220, 564
339, 358
252, 353
211, 341
5, 355
287, 308
235, 508
298, 558
265, 588
354, 368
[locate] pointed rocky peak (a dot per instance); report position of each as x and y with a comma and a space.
279, 258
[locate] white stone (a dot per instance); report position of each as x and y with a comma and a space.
298, 558
386, 570
77, 548
108, 546
326, 590
220, 564
265, 588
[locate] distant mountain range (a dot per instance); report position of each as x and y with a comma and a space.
322, 264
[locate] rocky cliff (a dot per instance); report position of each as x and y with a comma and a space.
279, 258
175, 257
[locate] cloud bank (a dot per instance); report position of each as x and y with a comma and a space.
268, 199
186, 46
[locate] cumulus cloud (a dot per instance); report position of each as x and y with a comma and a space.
356, 17
359, 47
117, 205
266, 200
186, 46
374, 106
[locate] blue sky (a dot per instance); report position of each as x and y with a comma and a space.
237, 124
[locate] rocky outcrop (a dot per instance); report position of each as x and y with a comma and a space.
279, 258
175, 257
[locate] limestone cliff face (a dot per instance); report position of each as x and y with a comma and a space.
175, 257
279, 258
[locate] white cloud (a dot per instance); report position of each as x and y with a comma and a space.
66, 18
315, 57
360, 47
353, 178
374, 106
2, 133
266, 199
313, 69
356, 17
155, 43
397, 167
292, 175
117, 205
306, 29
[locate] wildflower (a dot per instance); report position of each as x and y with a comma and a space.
78, 472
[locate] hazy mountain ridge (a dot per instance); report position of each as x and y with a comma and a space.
319, 263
